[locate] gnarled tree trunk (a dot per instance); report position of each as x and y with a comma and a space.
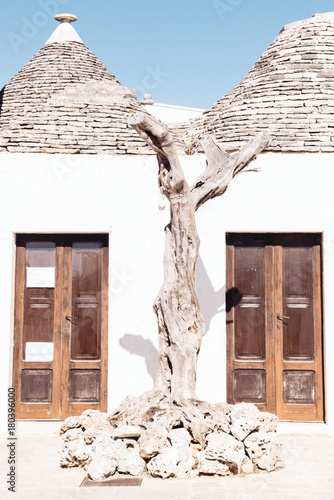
180, 322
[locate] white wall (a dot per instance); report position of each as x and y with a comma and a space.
119, 195
173, 114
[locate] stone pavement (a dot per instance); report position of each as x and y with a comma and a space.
308, 474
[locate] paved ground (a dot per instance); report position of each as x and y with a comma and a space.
308, 474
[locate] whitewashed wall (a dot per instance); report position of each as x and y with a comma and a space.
64, 194
169, 113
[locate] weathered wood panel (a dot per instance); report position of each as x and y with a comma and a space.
298, 331
249, 284
85, 386
299, 387
250, 386
36, 386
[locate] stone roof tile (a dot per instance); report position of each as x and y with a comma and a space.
65, 100
289, 93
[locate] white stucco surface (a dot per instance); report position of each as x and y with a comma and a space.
169, 113
119, 196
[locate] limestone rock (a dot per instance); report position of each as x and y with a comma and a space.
225, 448
179, 437
247, 466
75, 453
101, 467
123, 453
265, 450
103, 446
73, 434
244, 421
243, 408
175, 460
268, 422
152, 441
91, 423
128, 431
211, 467
126, 455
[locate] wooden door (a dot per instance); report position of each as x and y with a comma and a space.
274, 327
60, 337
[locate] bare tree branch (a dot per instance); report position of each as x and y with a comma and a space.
221, 167
157, 135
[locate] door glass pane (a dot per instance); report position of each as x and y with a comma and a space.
249, 285
38, 319
298, 330
86, 300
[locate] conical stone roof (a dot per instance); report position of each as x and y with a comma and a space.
289, 93
64, 100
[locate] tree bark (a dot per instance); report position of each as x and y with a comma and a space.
180, 322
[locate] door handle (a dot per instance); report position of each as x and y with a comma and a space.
280, 317
71, 318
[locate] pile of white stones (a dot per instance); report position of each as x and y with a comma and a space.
246, 442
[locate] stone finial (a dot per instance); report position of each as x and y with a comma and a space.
65, 31
66, 18
148, 101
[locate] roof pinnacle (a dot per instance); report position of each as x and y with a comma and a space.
66, 18
65, 31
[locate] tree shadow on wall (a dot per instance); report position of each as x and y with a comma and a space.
136, 344
212, 302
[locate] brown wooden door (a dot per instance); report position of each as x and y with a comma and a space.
274, 327
60, 337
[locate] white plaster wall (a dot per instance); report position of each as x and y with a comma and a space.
119, 195
173, 114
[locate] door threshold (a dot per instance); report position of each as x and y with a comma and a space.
303, 428
28, 427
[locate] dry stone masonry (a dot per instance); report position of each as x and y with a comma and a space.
238, 439
289, 93
64, 100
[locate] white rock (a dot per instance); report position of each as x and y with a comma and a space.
75, 453
100, 468
247, 466
211, 467
102, 446
70, 423
91, 422
244, 424
152, 441
265, 450
268, 422
128, 431
73, 434
243, 408
225, 448
126, 455
179, 437
175, 460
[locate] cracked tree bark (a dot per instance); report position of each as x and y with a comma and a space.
180, 322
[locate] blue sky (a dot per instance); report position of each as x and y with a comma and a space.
183, 52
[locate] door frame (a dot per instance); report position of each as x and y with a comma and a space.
273, 342
60, 406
